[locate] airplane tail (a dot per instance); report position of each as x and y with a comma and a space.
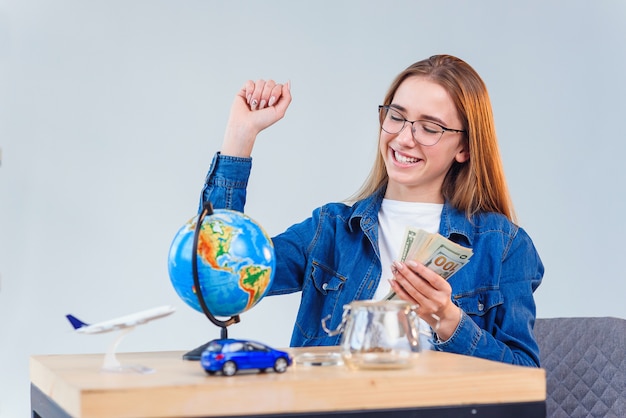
76, 323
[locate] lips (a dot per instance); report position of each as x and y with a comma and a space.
404, 159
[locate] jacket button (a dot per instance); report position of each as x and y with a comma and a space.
481, 307
325, 286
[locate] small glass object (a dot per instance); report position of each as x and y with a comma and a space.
327, 358
384, 334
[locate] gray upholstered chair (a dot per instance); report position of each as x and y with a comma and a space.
585, 363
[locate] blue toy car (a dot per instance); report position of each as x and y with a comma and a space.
230, 355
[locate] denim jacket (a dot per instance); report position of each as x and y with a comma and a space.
333, 258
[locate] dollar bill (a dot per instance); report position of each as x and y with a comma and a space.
407, 242
436, 252
413, 240
446, 260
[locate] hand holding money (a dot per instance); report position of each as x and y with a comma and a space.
436, 252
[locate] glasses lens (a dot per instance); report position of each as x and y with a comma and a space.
426, 133
393, 121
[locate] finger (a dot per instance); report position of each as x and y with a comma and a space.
266, 93
283, 102
412, 288
255, 97
275, 94
406, 278
432, 278
418, 288
400, 292
434, 290
247, 90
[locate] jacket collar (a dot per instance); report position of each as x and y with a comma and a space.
365, 212
456, 226
453, 225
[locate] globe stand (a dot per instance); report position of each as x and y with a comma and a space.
196, 353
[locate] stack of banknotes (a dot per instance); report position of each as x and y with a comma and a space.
439, 254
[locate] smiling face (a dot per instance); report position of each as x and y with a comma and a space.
416, 172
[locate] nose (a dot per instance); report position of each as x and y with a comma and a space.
406, 134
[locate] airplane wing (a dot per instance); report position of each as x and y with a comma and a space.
121, 322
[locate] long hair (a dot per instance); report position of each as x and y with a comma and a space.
477, 185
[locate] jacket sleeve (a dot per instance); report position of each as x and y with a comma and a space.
226, 182
511, 339
225, 187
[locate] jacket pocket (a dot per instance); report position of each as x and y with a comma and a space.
320, 299
325, 279
480, 302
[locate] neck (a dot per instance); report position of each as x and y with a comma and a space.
409, 194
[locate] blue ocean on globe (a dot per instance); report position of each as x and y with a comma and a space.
236, 262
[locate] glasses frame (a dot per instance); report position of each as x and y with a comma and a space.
411, 122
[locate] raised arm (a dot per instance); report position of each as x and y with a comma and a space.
257, 106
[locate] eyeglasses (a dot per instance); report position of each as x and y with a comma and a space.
424, 132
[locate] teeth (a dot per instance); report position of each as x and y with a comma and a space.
403, 159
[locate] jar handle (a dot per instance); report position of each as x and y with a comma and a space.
344, 316
426, 332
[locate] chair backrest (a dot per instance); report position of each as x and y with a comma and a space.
585, 363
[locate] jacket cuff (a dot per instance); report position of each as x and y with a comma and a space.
463, 340
229, 171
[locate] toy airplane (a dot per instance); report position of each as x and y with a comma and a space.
127, 321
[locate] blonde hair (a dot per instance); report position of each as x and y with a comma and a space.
477, 185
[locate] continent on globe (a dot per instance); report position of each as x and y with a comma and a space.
235, 259
214, 241
255, 280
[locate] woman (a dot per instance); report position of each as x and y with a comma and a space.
438, 169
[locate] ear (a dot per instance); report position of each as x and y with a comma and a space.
462, 154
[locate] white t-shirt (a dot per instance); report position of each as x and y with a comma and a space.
393, 218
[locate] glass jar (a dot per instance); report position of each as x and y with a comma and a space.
381, 334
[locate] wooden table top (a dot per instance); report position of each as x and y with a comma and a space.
182, 388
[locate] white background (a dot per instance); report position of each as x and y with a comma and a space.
110, 112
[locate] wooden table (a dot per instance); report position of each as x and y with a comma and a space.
73, 386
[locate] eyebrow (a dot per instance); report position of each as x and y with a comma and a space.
423, 117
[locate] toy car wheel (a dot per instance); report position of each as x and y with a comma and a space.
280, 365
210, 372
229, 368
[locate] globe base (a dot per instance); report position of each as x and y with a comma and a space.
196, 353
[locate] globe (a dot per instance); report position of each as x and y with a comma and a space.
235, 262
